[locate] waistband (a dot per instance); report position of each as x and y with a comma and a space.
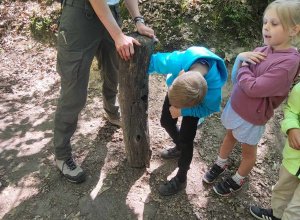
85, 4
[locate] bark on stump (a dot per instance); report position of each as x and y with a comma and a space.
133, 98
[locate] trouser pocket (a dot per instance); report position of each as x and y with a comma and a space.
68, 63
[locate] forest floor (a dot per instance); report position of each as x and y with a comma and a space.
31, 187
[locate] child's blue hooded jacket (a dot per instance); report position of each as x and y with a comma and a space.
173, 63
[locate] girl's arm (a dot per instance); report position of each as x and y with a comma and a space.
251, 57
291, 123
274, 82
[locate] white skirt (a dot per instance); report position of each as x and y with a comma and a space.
242, 130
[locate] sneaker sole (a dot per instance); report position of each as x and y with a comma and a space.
254, 215
225, 195
206, 181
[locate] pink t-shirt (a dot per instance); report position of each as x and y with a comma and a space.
261, 88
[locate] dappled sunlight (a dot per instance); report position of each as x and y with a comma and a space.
138, 195
31, 143
154, 165
197, 195
171, 175
26, 131
107, 168
140, 191
14, 195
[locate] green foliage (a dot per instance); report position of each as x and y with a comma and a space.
123, 11
44, 26
239, 20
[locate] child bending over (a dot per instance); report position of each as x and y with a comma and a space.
196, 77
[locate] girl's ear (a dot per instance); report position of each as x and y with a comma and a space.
295, 30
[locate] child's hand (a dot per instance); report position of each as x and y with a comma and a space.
294, 138
252, 57
175, 112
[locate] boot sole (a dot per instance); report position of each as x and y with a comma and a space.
79, 180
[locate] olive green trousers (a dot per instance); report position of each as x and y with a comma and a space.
81, 37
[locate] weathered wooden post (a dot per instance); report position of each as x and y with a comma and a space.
133, 97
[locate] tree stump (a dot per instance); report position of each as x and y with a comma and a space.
133, 98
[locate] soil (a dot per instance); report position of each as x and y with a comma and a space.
33, 188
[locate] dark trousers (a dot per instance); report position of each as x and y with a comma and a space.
81, 37
183, 137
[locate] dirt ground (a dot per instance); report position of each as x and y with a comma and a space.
33, 188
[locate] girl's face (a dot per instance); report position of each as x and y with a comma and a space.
273, 33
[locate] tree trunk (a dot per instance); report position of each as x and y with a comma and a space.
133, 97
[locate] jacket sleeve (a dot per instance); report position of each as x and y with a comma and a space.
271, 83
292, 110
165, 63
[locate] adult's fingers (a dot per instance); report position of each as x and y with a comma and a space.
136, 42
120, 53
126, 52
131, 49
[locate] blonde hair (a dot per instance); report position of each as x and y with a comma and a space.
187, 90
288, 12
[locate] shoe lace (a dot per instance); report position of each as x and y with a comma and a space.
71, 164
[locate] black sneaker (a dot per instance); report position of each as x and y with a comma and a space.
170, 153
211, 175
227, 187
71, 170
171, 187
260, 213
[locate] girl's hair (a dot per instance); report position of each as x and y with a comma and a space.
288, 12
188, 90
